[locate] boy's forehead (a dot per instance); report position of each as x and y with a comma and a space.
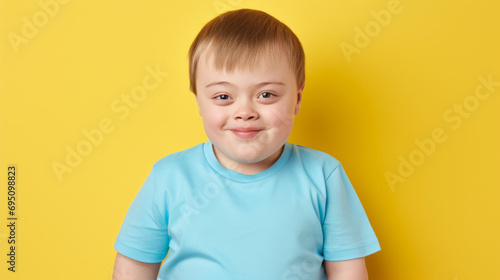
265, 66
244, 61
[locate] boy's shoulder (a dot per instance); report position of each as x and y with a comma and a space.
189, 158
306, 151
315, 158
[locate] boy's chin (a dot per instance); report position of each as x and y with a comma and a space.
242, 158
253, 157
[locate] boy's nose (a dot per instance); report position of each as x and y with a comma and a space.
245, 112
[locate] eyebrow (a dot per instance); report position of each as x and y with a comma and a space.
224, 83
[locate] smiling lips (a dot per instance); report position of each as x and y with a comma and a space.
246, 133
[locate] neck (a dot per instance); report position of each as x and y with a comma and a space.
247, 168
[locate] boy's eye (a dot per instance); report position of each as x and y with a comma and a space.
222, 97
266, 95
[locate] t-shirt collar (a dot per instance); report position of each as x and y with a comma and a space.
235, 176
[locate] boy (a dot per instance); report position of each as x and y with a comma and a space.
246, 205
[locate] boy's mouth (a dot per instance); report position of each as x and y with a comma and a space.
245, 133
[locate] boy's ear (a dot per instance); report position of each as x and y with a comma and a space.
299, 99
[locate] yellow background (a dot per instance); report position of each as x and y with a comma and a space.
366, 109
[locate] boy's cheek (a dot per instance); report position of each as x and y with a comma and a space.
207, 110
283, 116
213, 119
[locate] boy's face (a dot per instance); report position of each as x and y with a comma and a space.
247, 120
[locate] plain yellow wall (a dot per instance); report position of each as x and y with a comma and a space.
406, 94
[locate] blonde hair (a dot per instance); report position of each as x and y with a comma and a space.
238, 39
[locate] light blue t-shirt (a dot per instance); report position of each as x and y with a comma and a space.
219, 224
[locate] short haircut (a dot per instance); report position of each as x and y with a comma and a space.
240, 38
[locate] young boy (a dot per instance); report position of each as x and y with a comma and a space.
246, 205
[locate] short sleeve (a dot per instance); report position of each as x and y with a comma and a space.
143, 235
346, 230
